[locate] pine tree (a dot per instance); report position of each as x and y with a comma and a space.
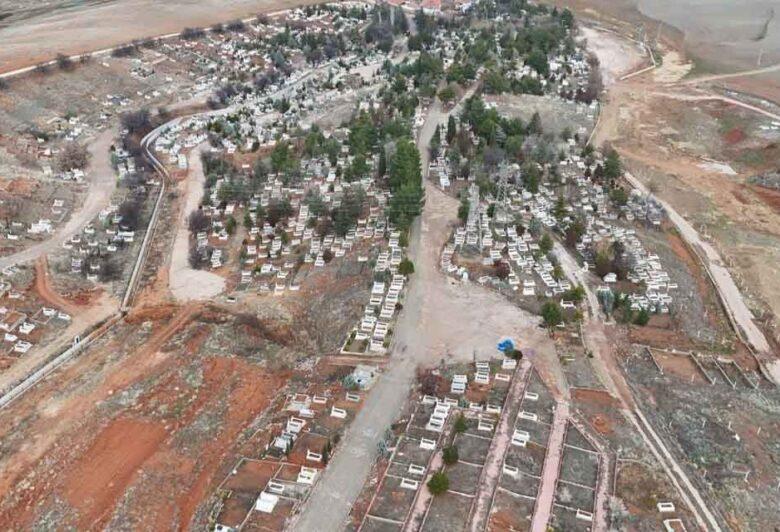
452, 129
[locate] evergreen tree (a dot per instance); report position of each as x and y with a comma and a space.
452, 129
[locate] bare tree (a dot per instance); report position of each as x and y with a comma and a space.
73, 156
64, 62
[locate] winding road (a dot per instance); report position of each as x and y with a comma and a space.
102, 183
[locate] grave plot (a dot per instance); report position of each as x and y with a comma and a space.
721, 430
374, 524
574, 360
463, 422
514, 501
407, 469
641, 488
447, 512
285, 458
511, 512
575, 493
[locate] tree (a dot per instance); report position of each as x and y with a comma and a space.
607, 300
567, 18
282, 158
406, 267
382, 166
463, 208
575, 294
612, 167
73, 156
545, 244
535, 125
538, 61
405, 166
447, 94
502, 269
450, 455
460, 424
452, 129
552, 314
439, 483
531, 177
136, 121
574, 232
198, 221
618, 196
230, 225
642, 318
603, 263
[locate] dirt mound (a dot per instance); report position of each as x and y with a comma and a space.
769, 196
151, 313
595, 397
20, 187
734, 135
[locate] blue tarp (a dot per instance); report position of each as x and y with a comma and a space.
506, 345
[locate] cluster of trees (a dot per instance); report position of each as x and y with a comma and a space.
136, 122
316, 144
347, 213
426, 26
386, 22
405, 180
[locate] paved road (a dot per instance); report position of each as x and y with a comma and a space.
102, 183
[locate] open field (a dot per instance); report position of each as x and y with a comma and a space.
34, 35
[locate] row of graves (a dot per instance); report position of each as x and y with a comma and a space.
463, 413
99, 241
285, 459
486, 242
24, 323
277, 259
373, 334
493, 240
515, 499
650, 284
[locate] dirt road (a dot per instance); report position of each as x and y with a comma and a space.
102, 183
552, 465
185, 282
729, 293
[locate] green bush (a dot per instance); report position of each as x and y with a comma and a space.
460, 424
450, 455
439, 483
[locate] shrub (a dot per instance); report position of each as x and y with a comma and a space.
64, 62
406, 267
450, 455
552, 314
439, 483
236, 25
642, 318
460, 424
192, 33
